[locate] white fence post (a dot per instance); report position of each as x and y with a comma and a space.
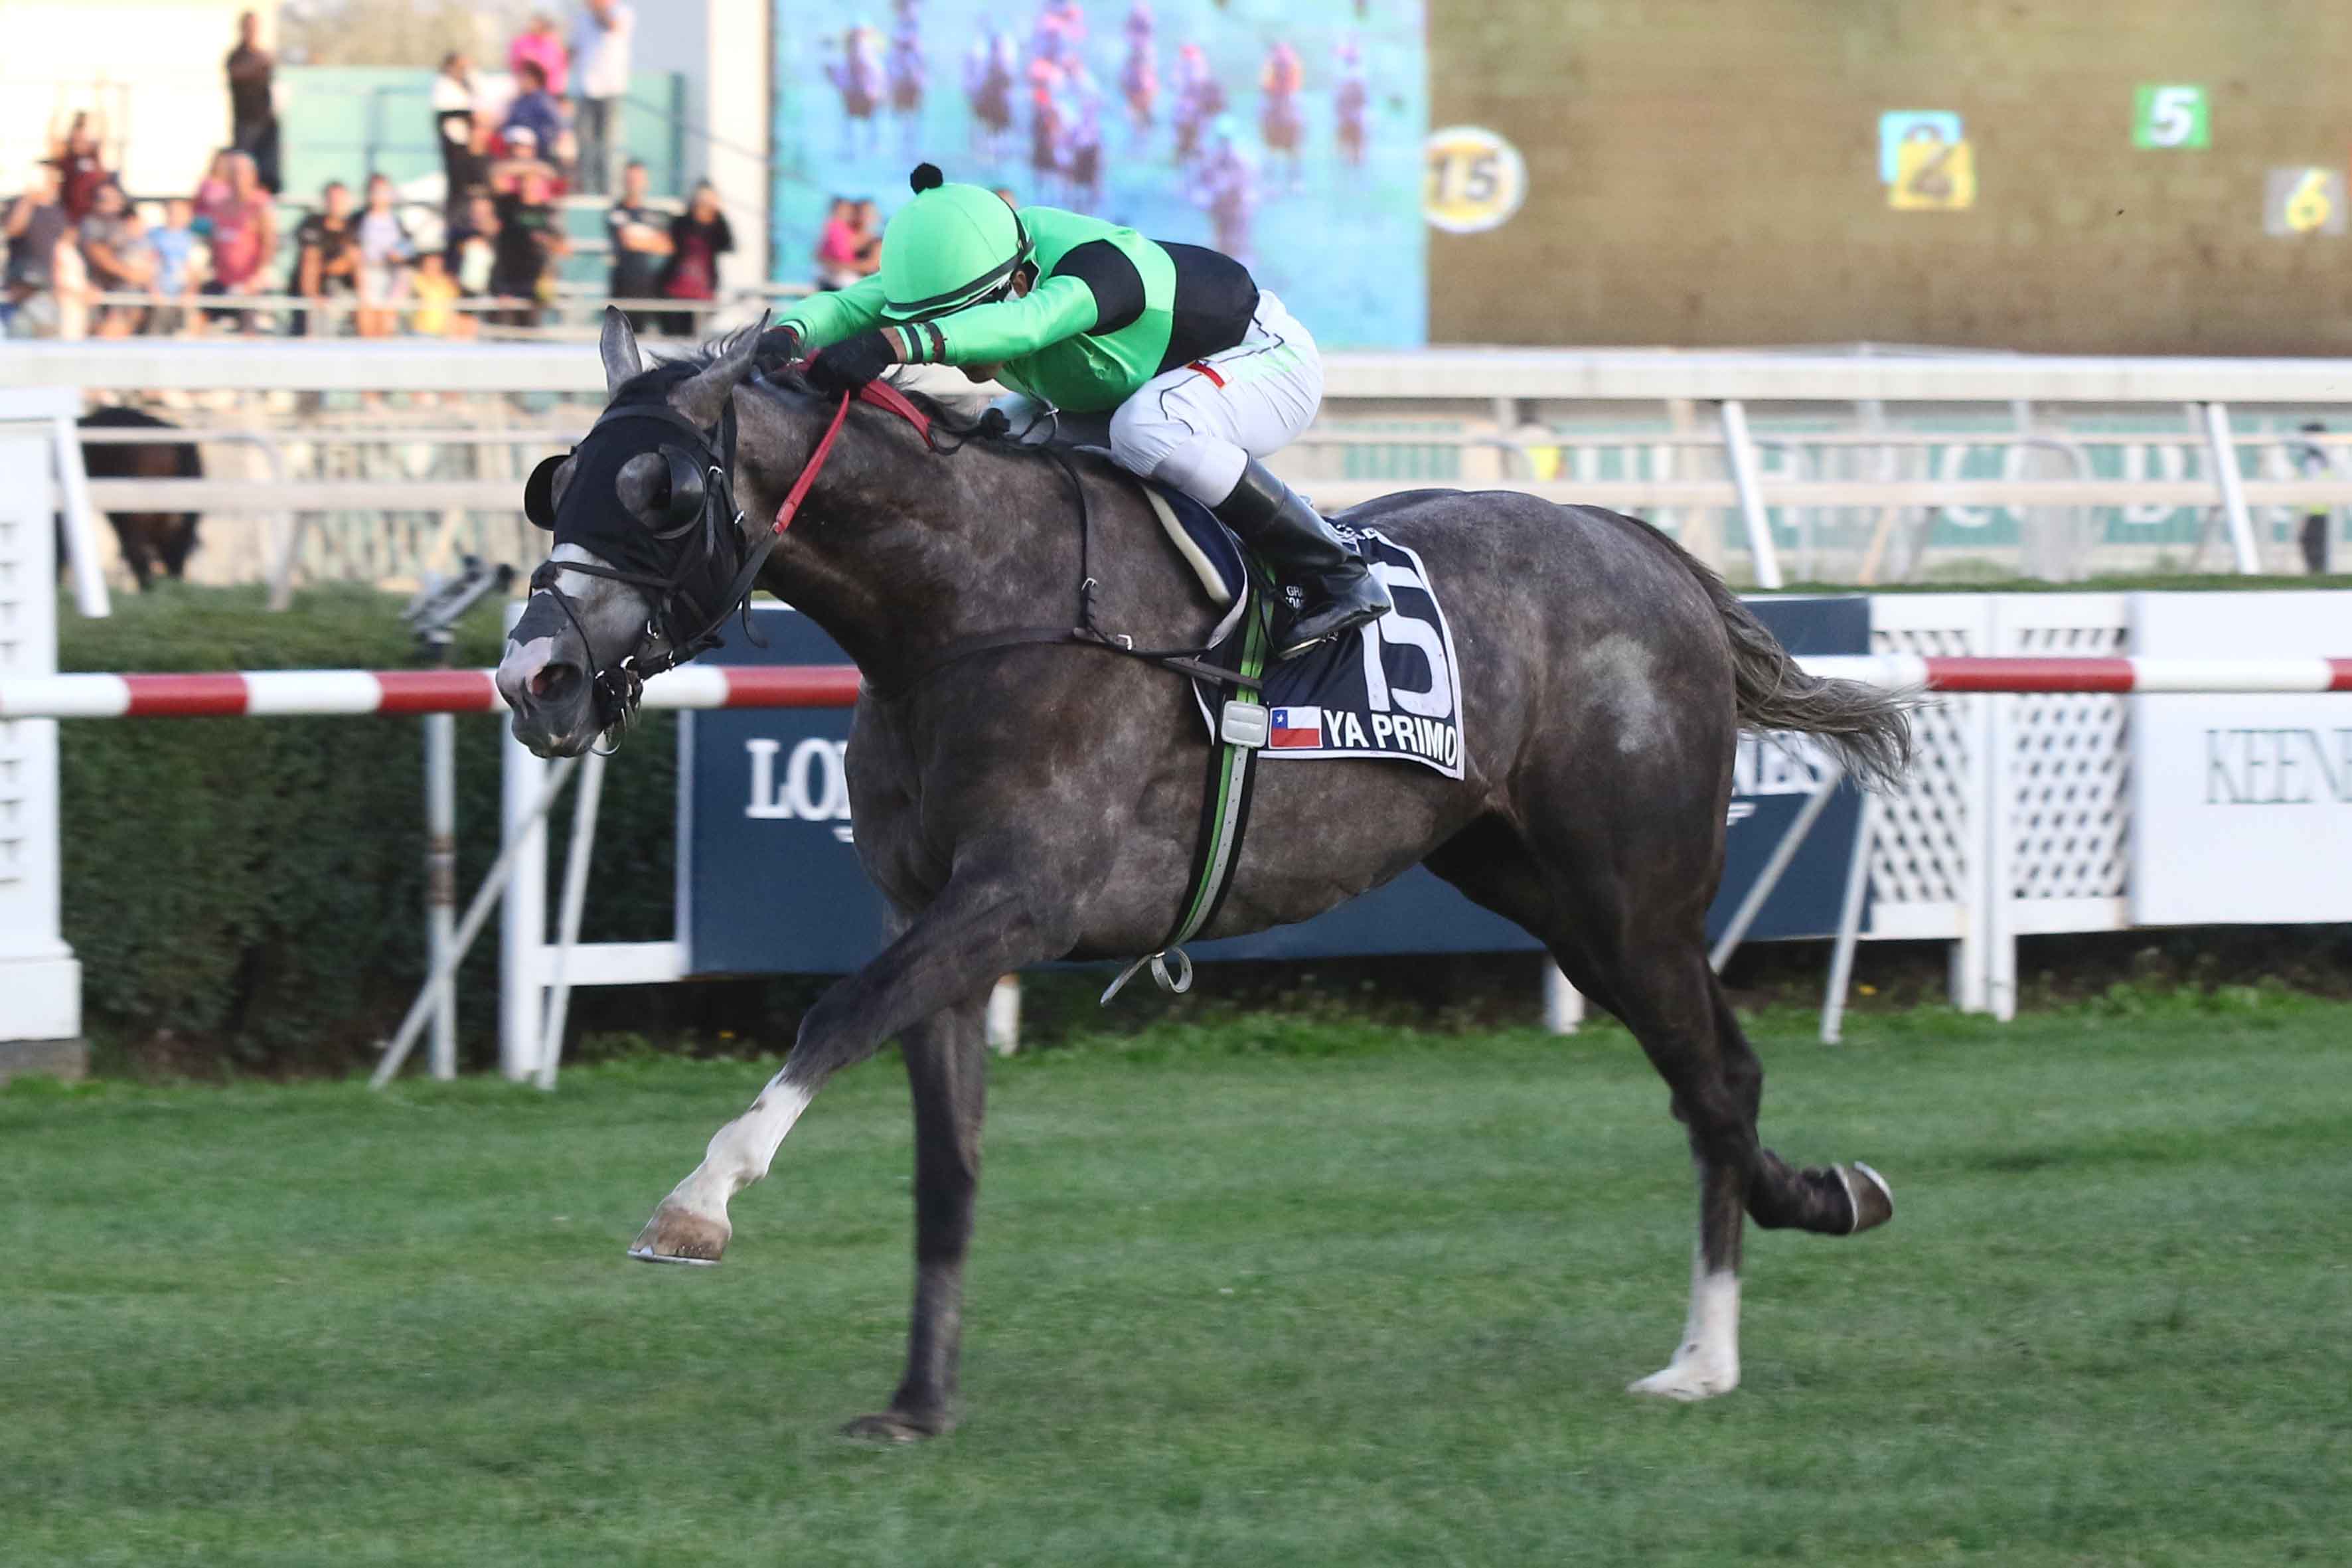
1746, 478
1563, 1003
2224, 456
40, 983
523, 919
1004, 1019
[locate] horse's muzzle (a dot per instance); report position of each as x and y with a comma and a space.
551, 694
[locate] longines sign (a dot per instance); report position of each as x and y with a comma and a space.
2242, 805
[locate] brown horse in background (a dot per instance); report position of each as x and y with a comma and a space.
150, 540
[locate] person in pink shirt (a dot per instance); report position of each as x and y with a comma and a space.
541, 46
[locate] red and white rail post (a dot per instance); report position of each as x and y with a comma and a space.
531, 966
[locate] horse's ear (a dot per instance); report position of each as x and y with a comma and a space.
619, 346
704, 398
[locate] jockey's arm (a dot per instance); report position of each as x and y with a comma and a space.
1058, 308
824, 319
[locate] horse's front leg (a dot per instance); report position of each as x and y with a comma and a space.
979, 927
947, 1071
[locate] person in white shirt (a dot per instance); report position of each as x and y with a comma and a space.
600, 79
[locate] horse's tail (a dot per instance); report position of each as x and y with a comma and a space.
1868, 728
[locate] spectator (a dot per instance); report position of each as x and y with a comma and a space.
600, 55
81, 169
326, 262
640, 239
175, 245
537, 45
868, 221
244, 238
386, 252
436, 291
531, 241
472, 254
213, 189
118, 260
534, 111
2311, 461
837, 246
453, 126
467, 169
252, 106
698, 236
36, 229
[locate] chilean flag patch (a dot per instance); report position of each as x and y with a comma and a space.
1294, 726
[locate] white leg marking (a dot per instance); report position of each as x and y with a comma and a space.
1707, 1362
692, 1224
740, 1151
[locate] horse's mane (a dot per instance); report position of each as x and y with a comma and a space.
657, 379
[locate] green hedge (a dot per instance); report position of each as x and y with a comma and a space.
249, 891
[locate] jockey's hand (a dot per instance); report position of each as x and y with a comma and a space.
848, 365
777, 347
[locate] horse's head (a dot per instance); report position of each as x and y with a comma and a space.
650, 553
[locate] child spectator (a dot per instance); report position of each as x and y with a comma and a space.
174, 242
386, 252
434, 291
35, 229
327, 260
243, 236
698, 236
117, 257
640, 238
472, 254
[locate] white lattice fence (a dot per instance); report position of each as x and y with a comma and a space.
1926, 840
2061, 826
2016, 816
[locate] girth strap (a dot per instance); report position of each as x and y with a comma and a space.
1225, 809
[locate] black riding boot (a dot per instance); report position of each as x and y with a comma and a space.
1306, 553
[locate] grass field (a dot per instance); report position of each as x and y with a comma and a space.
1276, 1293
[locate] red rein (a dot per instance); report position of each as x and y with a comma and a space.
882, 395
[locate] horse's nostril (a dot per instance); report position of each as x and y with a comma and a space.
554, 680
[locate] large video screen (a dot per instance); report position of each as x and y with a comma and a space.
1286, 133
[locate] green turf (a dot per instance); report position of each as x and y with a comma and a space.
1283, 1293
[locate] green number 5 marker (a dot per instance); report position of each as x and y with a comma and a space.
2170, 116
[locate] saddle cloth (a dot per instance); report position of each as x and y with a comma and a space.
1391, 689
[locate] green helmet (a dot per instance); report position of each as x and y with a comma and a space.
951, 246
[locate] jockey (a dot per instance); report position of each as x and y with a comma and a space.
1168, 354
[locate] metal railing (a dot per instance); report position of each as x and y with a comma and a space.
1821, 474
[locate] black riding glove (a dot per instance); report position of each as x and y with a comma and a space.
846, 366
777, 347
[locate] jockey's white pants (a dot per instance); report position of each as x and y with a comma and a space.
1196, 426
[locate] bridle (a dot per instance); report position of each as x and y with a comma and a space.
706, 528
704, 537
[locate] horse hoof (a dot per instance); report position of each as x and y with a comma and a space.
897, 1427
1687, 1382
1872, 1199
675, 1235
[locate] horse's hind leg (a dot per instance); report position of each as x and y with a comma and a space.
1676, 1008
1645, 959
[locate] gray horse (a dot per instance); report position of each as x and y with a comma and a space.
1020, 804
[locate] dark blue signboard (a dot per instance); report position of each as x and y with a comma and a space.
770, 882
